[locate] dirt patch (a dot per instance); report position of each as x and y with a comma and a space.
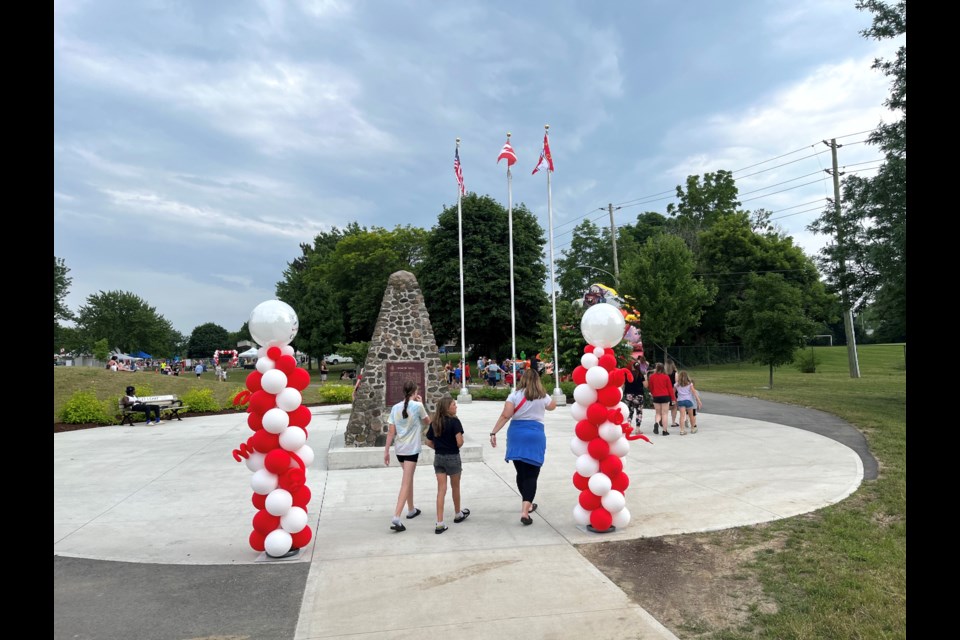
693, 584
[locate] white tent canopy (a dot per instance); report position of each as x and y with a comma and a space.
249, 353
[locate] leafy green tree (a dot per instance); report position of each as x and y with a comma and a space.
769, 319
206, 339
648, 225
354, 350
661, 281
588, 248
321, 323
702, 204
61, 287
126, 321
486, 274
570, 340
101, 349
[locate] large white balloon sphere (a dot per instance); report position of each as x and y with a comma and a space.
278, 502
602, 325
292, 438
621, 447
305, 453
578, 412
274, 381
597, 377
294, 520
610, 432
263, 482
587, 465
599, 483
265, 364
255, 461
577, 446
589, 360
289, 399
275, 420
273, 320
613, 502
621, 518
585, 394
580, 515
277, 543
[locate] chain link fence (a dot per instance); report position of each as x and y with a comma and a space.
689, 357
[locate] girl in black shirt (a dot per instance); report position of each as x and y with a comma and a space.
445, 437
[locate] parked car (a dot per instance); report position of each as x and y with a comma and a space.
336, 358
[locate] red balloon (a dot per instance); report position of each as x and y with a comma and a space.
609, 396
612, 466
597, 413
601, 519
256, 540
299, 379
300, 417
608, 361
588, 348
586, 430
259, 501
580, 374
615, 416
264, 441
292, 480
302, 497
589, 500
286, 364
599, 449
261, 402
277, 461
253, 380
581, 482
254, 421
274, 353
616, 378
302, 538
620, 482
264, 522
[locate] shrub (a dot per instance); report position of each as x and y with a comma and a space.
806, 360
83, 407
485, 393
335, 394
200, 400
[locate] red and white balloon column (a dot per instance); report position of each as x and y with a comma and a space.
603, 434
277, 453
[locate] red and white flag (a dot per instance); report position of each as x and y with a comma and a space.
507, 154
458, 170
546, 160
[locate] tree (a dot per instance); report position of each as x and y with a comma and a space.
669, 297
702, 204
486, 273
61, 287
206, 339
769, 319
588, 248
127, 322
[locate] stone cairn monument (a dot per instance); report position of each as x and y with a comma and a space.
402, 348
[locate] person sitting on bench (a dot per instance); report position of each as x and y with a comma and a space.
130, 401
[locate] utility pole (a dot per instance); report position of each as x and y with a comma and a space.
852, 360
613, 241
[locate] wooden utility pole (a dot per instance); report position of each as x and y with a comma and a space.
613, 241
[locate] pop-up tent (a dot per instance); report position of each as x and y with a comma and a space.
249, 353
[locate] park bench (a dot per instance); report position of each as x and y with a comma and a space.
169, 405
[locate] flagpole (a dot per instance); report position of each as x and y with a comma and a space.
557, 393
513, 317
464, 397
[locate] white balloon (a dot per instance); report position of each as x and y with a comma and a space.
292, 438
274, 381
277, 543
610, 432
624, 410
578, 412
273, 320
578, 446
599, 483
263, 482
306, 454
621, 518
621, 447
585, 394
289, 399
287, 350
599, 352
597, 377
589, 360
255, 461
275, 420
602, 325
587, 465
581, 515
262, 352
265, 364
613, 502
278, 502
294, 520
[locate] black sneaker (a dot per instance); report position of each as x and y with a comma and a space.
665, 433
656, 428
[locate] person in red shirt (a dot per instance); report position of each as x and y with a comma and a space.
661, 388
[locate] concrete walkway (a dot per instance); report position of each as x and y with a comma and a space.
151, 527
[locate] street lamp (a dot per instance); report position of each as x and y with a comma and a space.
616, 281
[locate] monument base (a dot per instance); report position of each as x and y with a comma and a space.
340, 457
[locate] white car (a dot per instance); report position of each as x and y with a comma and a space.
336, 358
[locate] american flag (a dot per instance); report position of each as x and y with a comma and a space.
458, 170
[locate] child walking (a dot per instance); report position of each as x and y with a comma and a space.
406, 426
686, 394
445, 437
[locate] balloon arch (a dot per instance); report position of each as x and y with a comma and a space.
234, 356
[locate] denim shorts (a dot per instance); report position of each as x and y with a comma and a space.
448, 463
687, 404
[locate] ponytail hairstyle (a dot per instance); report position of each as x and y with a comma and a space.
409, 388
658, 368
440, 415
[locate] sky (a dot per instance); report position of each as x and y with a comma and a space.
198, 144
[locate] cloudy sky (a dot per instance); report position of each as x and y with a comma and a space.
197, 144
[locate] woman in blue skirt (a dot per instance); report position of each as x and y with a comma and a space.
526, 440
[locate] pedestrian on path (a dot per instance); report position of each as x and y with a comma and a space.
405, 426
445, 437
633, 394
686, 395
663, 394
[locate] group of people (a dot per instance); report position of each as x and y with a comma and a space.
491, 372
672, 392
526, 446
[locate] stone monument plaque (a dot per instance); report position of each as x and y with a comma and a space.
397, 375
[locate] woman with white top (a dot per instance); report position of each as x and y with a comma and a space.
406, 424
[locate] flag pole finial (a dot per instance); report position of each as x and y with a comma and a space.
508, 135
546, 127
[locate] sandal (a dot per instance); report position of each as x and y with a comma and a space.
682, 432
533, 508
415, 513
460, 518
526, 520
693, 429
440, 528
398, 527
